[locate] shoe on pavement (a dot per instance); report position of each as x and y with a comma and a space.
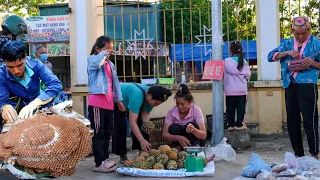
106, 166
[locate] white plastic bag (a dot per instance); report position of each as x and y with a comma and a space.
307, 163
221, 151
290, 159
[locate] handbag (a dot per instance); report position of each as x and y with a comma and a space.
296, 65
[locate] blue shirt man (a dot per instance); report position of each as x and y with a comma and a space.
20, 85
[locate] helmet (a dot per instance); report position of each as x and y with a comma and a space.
15, 24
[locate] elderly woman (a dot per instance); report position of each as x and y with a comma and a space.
301, 91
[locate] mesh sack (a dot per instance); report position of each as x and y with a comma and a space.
49, 143
5, 153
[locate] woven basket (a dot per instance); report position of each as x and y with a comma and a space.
156, 136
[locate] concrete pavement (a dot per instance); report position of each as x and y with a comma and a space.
270, 149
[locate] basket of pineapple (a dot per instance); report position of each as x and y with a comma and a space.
163, 162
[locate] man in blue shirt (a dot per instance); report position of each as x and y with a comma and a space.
20, 85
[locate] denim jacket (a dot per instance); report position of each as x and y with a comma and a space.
98, 82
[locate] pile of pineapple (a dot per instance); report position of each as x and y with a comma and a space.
162, 158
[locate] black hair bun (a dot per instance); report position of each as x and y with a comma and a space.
184, 89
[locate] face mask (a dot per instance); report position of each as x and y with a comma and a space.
43, 57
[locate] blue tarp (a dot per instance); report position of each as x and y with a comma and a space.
176, 52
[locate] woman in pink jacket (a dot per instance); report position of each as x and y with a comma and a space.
236, 76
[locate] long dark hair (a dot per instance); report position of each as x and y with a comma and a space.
100, 43
184, 92
236, 50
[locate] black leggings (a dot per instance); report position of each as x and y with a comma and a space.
235, 104
119, 136
102, 134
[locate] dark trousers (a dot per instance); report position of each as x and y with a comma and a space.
302, 98
119, 136
235, 103
101, 138
176, 129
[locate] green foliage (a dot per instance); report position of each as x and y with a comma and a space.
30, 6
288, 11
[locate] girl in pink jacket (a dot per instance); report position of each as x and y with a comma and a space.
236, 76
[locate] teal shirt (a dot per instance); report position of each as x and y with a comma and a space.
133, 97
25, 81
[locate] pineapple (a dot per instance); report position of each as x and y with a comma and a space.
172, 165
173, 156
151, 160
155, 153
137, 164
165, 149
128, 163
162, 159
141, 158
180, 164
158, 166
174, 150
144, 154
146, 165
182, 155
148, 127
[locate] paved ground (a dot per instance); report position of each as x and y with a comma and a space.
270, 149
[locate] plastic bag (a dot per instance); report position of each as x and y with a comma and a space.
279, 167
306, 173
255, 166
316, 173
221, 151
300, 178
288, 173
307, 163
265, 176
290, 159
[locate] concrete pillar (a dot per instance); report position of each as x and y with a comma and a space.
268, 37
86, 25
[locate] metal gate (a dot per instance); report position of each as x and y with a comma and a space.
172, 38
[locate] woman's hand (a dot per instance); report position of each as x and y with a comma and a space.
145, 145
294, 54
190, 128
183, 141
121, 106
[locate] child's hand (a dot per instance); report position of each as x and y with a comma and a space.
110, 51
190, 128
121, 106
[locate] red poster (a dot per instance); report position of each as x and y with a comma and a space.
213, 70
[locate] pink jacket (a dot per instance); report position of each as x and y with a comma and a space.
235, 81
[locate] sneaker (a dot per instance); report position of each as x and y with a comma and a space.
106, 167
243, 127
123, 159
231, 128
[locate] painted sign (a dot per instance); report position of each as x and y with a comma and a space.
48, 29
213, 70
53, 49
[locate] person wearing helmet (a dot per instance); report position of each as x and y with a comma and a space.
13, 27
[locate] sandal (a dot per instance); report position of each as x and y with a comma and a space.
107, 166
